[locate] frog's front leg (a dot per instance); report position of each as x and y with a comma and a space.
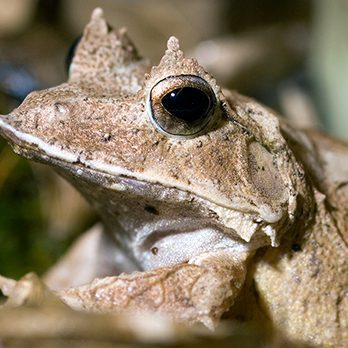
198, 291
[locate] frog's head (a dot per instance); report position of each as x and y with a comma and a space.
164, 149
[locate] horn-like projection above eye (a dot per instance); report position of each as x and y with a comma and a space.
182, 105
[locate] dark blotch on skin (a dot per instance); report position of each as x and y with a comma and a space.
296, 247
154, 250
152, 210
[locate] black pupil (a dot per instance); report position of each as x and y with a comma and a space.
187, 103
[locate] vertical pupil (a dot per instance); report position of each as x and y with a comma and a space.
187, 103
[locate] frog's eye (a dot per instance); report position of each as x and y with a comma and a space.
71, 53
182, 105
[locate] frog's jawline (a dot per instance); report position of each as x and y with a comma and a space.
65, 159
30, 143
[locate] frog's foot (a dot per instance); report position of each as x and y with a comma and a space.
198, 291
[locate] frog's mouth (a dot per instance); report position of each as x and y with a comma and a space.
244, 226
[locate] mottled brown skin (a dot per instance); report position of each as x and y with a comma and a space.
247, 200
186, 292
301, 286
305, 290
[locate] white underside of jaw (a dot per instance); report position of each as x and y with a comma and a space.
242, 222
178, 242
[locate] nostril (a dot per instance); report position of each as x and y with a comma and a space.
60, 112
60, 108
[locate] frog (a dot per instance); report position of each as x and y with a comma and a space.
212, 206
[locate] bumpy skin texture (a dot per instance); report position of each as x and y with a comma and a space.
199, 292
248, 215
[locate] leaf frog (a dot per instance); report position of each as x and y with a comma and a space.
210, 203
